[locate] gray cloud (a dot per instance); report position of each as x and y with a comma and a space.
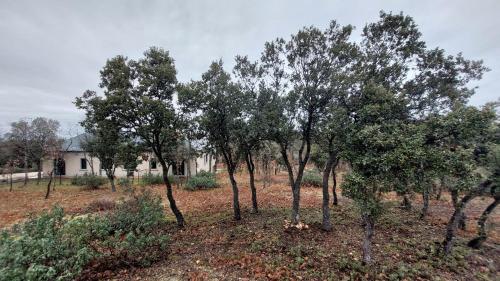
51, 51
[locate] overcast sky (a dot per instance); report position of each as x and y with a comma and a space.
51, 51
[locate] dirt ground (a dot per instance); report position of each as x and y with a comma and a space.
215, 247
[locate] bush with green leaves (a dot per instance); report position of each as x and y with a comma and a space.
311, 178
88, 181
54, 247
203, 180
153, 179
124, 182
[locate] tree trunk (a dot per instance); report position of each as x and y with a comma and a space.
251, 173
25, 170
10, 181
425, 198
111, 179
236, 201
296, 204
48, 186
367, 240
453, 222
170, 196
334, 188
39, 175
406, 204
462, 217
481, 225
326, 225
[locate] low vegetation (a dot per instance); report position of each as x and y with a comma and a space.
312, 179
53, 246
203, 180
88, 181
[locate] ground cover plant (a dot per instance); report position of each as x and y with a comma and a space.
88, 181
203, 180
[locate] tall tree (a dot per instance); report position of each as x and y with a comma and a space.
43, 137
220, 103
140, 94
21, 136
299, 78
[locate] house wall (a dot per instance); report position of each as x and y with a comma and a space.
73, 168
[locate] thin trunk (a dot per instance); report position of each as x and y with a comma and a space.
296, 204
251, 173
60, 179
334, 188
425, 198
25, 170
10, 181
453, 222
39, 175
406, 204
170, 196
48, 186
367, 240
236, 201
326, 225
481, 225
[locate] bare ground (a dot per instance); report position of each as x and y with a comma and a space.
215, 247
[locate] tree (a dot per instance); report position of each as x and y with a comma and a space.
299, 81
220, 104
140, 94
251, 135
42, 137
104, 138
20, 136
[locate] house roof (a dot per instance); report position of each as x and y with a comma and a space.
74, 144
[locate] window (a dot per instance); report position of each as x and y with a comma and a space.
83, 164
153, 164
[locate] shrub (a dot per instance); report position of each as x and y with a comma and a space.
88, 181
152, 179
101, 204
202, 180
51, 247
312, 179
44, 249
124, 182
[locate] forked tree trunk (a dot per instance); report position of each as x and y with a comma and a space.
251, 173
368, 224
453, 222
170, 196
481, 225
326, 225
236, 201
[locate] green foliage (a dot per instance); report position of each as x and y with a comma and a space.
124, 182
52, 247
203, 180
312, 178
88, 181
44, 248
154, 179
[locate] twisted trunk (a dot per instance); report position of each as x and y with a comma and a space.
334, 188
170, 196
425, 198
236, 201
48, 185
462, 217
454, 220
481, 225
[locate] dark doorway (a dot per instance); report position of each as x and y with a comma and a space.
178, 170
60, 167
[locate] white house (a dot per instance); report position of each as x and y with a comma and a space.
76, 161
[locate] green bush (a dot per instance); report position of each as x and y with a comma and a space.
124, 182
52, 247
152, 179
202, 180
312, 179
88, 181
